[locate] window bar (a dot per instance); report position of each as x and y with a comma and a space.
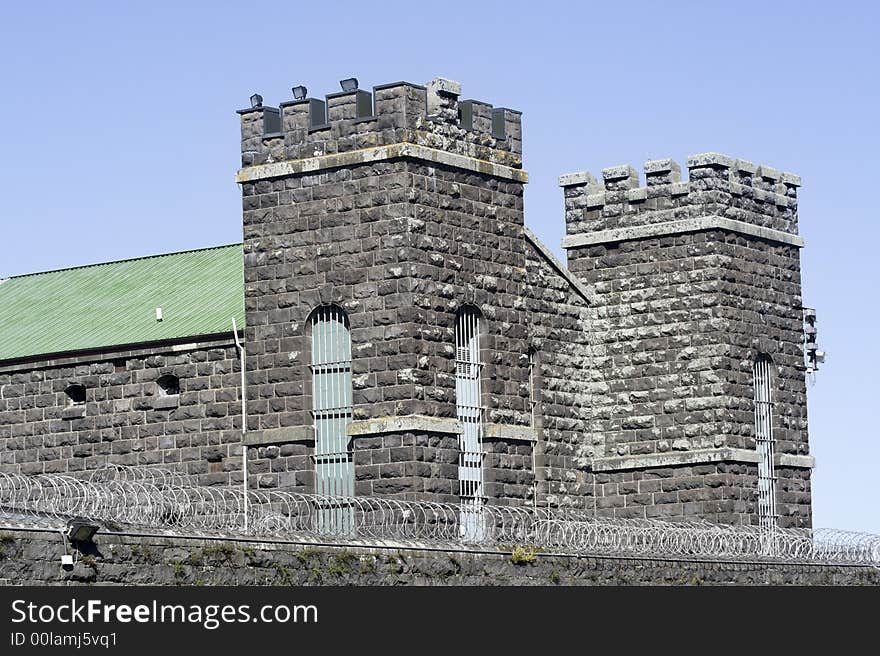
469, 412
331, 375
533, 404
765, 445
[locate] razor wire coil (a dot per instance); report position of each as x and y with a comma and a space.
158, 499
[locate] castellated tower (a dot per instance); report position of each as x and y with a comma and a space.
391, 308
699, 378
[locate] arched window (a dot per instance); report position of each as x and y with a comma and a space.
331, 406
469, 411
764, 441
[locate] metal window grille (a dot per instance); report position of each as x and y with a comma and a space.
765, 443
533, 405
469, 412
331, 406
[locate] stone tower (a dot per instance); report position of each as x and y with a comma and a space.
696, 283
397, 208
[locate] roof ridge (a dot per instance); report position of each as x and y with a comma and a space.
128, 259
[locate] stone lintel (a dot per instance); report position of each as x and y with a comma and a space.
697, 224
379, 154
703, 456
283, 435
74, 412
404, 424
510, 433
166, 402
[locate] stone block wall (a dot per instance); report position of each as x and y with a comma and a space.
33, 558
621, 384
692, 281
401, 239
560, 330
402, 113
721, 492
126, 418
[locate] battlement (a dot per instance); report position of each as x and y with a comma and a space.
396, 113
717, 186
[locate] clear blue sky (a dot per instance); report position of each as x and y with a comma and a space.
120, 139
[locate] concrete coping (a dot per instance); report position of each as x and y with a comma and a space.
578, 178
701, 456
769, 173
746, 166
283, 435
665, 165
620, 172
510, 433
404, 424
709, 159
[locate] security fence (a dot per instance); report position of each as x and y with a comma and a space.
156, 500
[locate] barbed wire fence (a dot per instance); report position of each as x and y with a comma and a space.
158, 500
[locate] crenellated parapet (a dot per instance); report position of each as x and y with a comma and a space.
720, 188
358, 121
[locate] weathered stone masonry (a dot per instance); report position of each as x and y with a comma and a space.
620, 384
32, 558
692, 280
125, 418
402, 218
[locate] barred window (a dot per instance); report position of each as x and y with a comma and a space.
469, 412
331, 406
764, 442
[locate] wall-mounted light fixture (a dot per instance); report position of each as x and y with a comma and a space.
80, 530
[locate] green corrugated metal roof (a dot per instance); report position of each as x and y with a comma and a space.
115, 303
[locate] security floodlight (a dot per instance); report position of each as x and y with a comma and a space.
299, 92
349, 84
820, 356
256, 101
80, 530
